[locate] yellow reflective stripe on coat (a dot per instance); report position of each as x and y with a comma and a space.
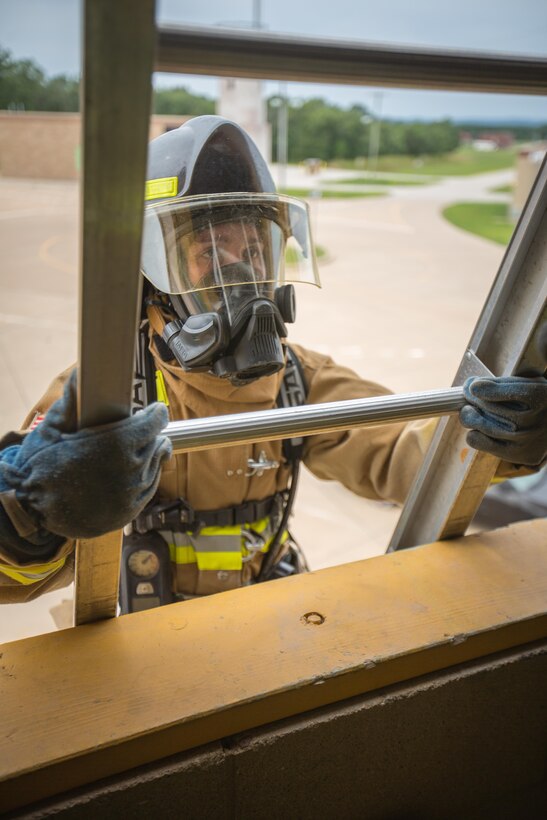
161, 392
218, 548
31, 574
182, 554
208, 556
227, 560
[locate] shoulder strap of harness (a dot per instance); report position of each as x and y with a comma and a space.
144, 378
293, 393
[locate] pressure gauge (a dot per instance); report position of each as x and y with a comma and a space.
143, 563
145, 579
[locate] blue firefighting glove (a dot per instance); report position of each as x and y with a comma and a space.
84, 483
507, 417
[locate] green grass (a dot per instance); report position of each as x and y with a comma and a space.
487, 219
462, 162
502, 189
320, 252
372, 180
307, 193
292, 257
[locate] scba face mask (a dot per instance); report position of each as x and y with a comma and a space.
240, 337
228, 263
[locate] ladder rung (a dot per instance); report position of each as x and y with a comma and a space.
287, 422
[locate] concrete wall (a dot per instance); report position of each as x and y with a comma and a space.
527, 168
469, 742
41, 145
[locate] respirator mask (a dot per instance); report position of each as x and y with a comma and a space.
228, 263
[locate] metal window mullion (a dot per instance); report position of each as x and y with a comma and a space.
118, 59
261, 55
453, 478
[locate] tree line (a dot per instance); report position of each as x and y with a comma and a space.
329, 132
316, 128
25, 87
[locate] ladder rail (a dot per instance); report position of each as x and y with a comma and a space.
453, 478
116, 107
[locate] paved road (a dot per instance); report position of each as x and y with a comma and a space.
402, 290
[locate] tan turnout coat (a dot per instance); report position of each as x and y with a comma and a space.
376, 462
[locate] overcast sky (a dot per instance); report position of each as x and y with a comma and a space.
48, 31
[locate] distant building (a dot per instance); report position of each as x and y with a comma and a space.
242, 101
502, 139
529, 160
484, 145
466, 137
487, 140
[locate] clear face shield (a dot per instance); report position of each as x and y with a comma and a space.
229, 258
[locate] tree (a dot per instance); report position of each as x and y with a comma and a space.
181, 101
318, 129
23, 85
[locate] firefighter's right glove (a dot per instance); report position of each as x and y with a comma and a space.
84, 483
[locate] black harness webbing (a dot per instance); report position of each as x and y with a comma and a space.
178, 516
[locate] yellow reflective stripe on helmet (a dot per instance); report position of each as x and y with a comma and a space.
159, 188
31, 574
161, 392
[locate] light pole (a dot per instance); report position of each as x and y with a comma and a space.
280, 103
366, 120
374, 142
256, 14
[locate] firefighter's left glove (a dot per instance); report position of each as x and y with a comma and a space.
84, 483
507, 417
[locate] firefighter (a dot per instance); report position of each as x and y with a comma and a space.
221, 254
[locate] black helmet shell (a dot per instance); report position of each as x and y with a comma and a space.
206, 155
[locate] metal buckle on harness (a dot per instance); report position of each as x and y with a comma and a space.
254, 543
160, 516
257, 467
